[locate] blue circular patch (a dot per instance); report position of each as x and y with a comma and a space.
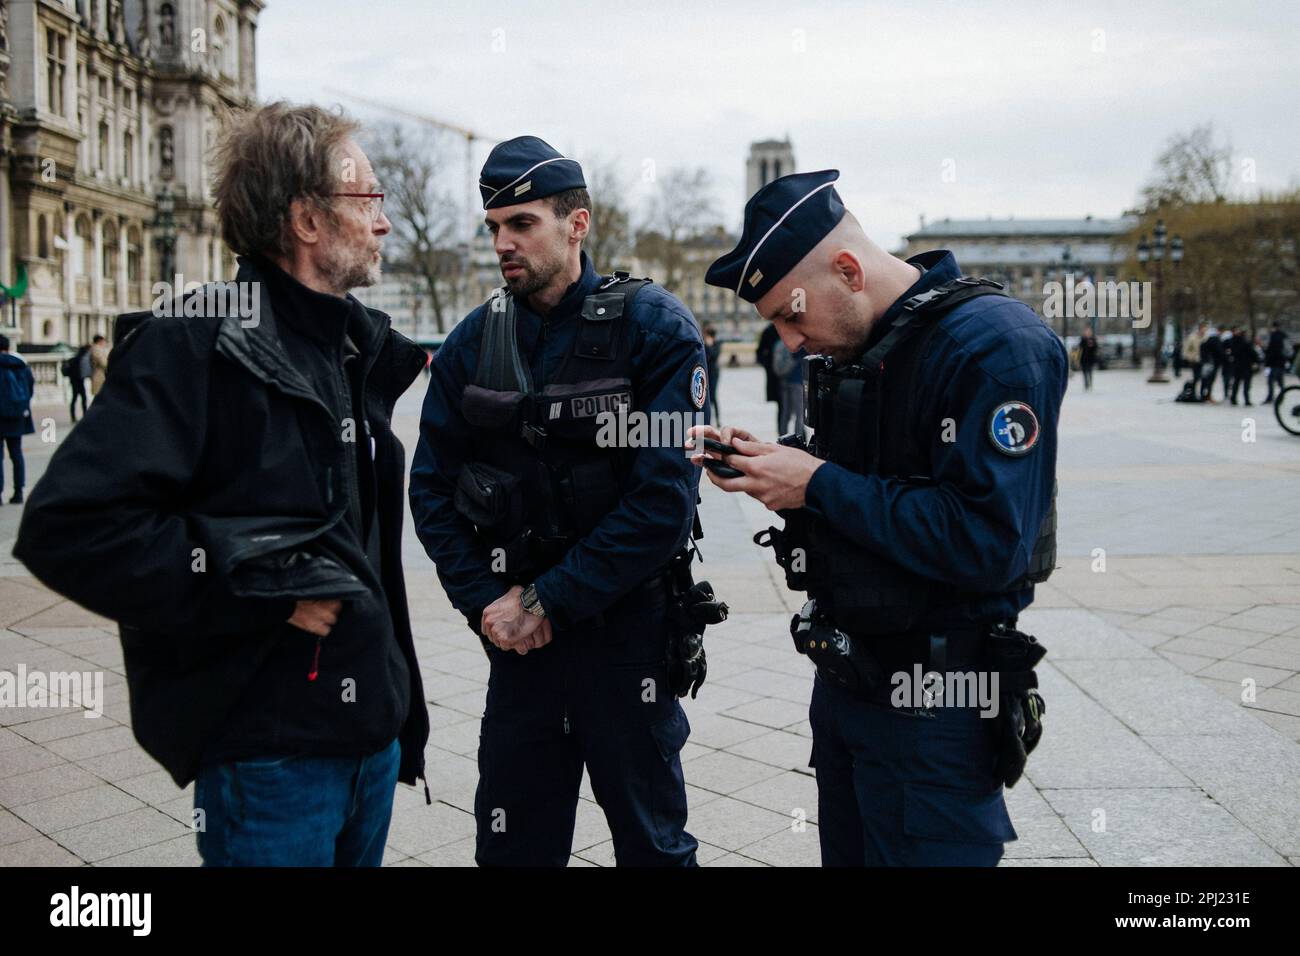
1013, 428
699, 386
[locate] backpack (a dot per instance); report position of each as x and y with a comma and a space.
14, 395
783, 361
1188, 394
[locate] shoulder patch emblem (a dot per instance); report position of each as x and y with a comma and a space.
699, 387
1013, 429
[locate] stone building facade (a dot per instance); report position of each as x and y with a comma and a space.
107, 111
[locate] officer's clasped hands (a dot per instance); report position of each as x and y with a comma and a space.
507, 625
774, 474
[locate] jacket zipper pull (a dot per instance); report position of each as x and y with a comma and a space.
315, 662
566, 721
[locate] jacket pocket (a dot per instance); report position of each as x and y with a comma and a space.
962, 816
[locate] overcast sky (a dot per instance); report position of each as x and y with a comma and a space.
1041, 109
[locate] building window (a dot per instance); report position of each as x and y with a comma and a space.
103, 147
56, 69
80, 245
109, 260
103, 87
133, 252
219, 44
128, 154
42, 237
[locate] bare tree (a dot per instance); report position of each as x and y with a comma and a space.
1192, 168
610, 238
410, 163
681, 208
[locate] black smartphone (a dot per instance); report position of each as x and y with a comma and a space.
719, 468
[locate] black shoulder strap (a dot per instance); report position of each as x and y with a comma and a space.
926, 307
500, 366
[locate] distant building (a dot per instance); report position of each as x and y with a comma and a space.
1025, 254
769, 159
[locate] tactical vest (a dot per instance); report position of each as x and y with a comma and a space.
865, 417
537, 480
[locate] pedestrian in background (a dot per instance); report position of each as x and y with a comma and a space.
1275, 360
1211, 363
1228, 361
771, 383
1087, 356
1243, 360
1192, 355
16, 388
712, 353
788, 368
76, 370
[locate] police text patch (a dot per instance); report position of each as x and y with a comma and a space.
1013, 429
699, 386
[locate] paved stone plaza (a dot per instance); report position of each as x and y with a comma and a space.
1178, 585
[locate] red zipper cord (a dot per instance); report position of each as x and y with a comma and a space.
315, 662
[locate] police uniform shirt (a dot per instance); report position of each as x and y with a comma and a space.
994, 378
653, 518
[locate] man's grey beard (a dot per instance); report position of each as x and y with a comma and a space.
346, 275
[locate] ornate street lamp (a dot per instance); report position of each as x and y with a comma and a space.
165, 225
1152, 254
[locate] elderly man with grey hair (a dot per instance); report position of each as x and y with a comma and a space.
233, 499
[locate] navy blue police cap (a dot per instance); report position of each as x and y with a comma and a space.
526, 168
783, 221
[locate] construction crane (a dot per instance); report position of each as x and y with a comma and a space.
471, 195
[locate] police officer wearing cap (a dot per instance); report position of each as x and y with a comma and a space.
554, 541
918, 521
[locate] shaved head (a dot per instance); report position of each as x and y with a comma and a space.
829, 301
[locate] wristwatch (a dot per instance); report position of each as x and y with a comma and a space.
532, 604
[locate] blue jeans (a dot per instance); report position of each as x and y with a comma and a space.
296, 810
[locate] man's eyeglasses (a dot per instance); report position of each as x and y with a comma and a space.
376, 203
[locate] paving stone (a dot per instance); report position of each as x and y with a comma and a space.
1236, 671
121, 834
28, 757
790, 847
39, 851
14, 830
76, 808
719, 730
83, 746
724, 772
732, 824
792, 794
460, 853
1167, 827
1041, 833
779, 748
1256, 779
770, 712
1153, 697
416, 830
120, 765
181, 851
36, 785
68, 723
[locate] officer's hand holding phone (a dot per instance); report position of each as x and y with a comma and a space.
777, 475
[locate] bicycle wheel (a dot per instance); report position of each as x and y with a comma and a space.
1287, 408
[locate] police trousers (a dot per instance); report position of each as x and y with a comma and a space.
905, 786
598, 697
